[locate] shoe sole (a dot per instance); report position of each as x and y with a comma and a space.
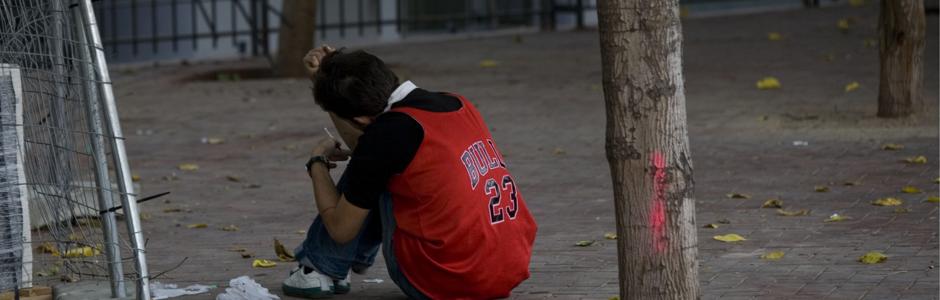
340, 290
311, 293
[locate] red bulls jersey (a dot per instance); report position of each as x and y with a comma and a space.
464, 231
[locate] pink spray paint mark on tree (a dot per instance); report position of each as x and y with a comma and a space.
658, 212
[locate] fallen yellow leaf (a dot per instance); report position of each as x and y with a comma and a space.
281, 251
772, 203
559, 151
584, 243
916, 160
774, 255
793, 213
902, 210
892, 147
81, 252
188, 167
213, 140
836, 218
711, 226
890, 201
197, 225
729, 238
937, 181
774, 36
933, 199
135, 178
872, 257
610, 236
910, 190
851, 86
738, 196
768, 83
233, 178
843, 24
488, 63
821, 188
263, 263
230, 228
48, 247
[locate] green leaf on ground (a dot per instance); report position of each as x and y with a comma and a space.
729, 238
773, 255
872, 257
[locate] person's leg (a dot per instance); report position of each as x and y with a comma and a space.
321, 254
394, 271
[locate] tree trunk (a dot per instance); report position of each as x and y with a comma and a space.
648, 149
295, 37
903, 29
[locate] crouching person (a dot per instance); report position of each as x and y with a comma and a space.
425, 182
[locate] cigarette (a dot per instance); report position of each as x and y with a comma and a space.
328, 133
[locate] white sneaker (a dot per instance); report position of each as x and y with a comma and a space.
312, 285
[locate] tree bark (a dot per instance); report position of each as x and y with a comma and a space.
648, 149
295, 37
903, 31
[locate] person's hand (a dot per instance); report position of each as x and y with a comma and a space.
331, 149
313, 58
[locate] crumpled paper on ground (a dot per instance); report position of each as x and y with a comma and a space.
163, 291
245, 288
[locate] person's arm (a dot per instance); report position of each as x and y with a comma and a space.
342, 219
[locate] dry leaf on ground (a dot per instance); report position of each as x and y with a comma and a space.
892, 147
836, 218
729, 238
584, 243
197, 225
793, 213
49, 248
933, 199
872, 257
188, 167
263, 263
890, 201
902, 210
738, 196
713, 226
610, 236
851, 183
851, 86
774, 36
910, 190
916, 160
281, 251
772, 203
768, 83
843, 24
231, 227
773, 255
488, 63
81, 252
821, 188
233, 178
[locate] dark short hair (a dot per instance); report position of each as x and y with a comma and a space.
353, 84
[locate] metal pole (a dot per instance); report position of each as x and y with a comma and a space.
122, 168
109, 223
61, 170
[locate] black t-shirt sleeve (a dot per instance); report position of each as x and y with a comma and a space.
385, 149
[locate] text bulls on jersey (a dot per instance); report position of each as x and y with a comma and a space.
479, 158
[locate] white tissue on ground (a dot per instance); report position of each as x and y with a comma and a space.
376, 280
163, 291
245, 288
